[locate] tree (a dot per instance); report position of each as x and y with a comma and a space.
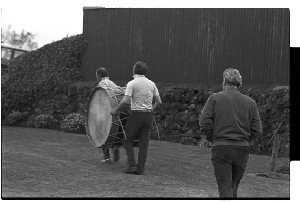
24, 40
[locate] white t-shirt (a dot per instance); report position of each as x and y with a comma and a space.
141, 90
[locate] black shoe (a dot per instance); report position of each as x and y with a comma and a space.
138, 173
116, 155
138, 170
131, 170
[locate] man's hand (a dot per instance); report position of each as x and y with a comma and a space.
125, 100
204, 143
114, 112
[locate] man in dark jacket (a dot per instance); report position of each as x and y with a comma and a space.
228, 119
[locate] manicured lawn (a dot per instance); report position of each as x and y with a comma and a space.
45, 163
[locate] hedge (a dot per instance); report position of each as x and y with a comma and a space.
39, 73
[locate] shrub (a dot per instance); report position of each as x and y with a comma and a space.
36, 74
14, 118
30, 122
45, 121
74, 123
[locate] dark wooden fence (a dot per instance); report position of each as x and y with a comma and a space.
190, 45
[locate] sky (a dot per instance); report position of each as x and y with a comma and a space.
53, 20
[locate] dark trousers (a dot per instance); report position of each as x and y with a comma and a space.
105, 150
229, 168
138, 126
105, 147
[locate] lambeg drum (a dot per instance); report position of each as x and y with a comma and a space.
102, 128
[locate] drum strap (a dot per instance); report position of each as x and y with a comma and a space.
115, 97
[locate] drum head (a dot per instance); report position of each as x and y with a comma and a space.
99, 119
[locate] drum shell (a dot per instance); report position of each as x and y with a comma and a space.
99, 122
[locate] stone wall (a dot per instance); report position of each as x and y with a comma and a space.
177, 119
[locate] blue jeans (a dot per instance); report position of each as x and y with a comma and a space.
229, 167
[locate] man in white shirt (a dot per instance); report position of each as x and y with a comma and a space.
141, 91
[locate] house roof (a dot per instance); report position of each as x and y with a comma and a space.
93, 7
5, 45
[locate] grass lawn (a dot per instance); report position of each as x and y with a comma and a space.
40, 163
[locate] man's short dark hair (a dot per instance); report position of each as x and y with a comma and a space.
232, 83
140, 68
102, 72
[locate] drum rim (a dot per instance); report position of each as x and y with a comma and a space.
87, 116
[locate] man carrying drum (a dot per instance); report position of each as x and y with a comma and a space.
106, 83
141, 91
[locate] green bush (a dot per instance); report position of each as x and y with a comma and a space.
30, 122
74, 123
15, 118
38, 73
46, 121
